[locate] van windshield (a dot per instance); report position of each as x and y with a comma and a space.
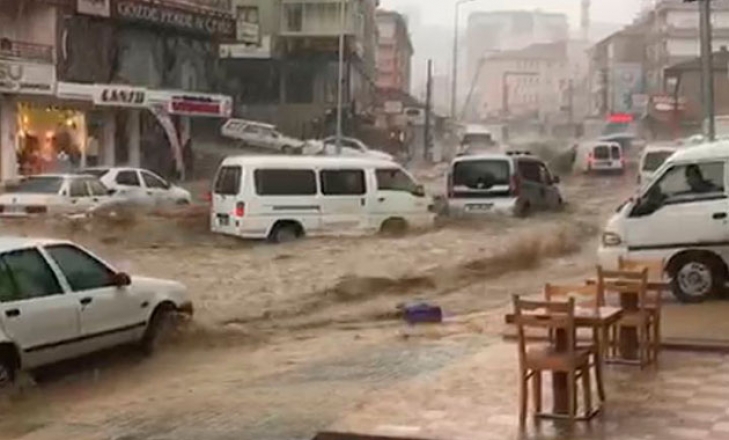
481, 174
602, 152
655, 159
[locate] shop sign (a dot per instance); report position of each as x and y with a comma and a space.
667, 103
250, 51
200, 105
100, 8
29, 78
175, 17
121, 96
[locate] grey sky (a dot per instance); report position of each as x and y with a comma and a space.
441, 11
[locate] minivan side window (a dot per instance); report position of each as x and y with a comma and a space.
684, 184
393, 179
529, 170
283, 182
342, 182
228, 181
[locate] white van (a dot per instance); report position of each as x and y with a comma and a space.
600, 156
283, 198
682, 216
652, 158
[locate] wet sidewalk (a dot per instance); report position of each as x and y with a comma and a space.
685, 397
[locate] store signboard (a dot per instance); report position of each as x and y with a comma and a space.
200, 105
168, 15
100, 8
627, 81
120, 96
27, 78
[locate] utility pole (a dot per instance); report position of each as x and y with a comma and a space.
707, 70
340, 85
428, 105
454, 67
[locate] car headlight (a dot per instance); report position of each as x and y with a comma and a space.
611, 239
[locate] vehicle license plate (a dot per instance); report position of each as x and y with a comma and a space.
223, 219
480, 207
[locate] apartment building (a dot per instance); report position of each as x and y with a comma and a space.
394, 52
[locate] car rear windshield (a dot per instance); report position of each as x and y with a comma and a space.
228, 181
37, 185
96, 172
655, 159
602, 152
481, 174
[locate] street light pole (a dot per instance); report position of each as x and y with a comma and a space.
454, 67
340, 86
707, 69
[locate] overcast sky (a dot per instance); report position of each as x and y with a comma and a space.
441, 11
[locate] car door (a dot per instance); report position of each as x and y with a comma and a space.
398, 196
225, 198
109, 314
128, 185
531, 183
155, 187
678, 211
552, 196
35, 312
79, 195
344, 200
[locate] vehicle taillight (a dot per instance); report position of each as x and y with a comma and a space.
589, 158
208, 196
240, 209
450, 191
515, 185
36, 209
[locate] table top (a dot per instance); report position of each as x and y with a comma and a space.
584, 316
652, 284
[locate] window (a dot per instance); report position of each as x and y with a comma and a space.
8, 292
294, 17
152, 181
82, 271
393, 179
691, 182
601, 152
544, 175
37, 185
530, 170
481, 174
655, 159
96, 188
279, 182
228, 181
32, 275
615, 152
342, 182
79, 188
129, 178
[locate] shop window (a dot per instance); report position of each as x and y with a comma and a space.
294, 17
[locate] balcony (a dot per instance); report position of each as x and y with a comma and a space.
21, 50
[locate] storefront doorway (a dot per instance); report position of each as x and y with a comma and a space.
51, 139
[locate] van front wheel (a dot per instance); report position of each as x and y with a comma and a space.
394, 227
695, 278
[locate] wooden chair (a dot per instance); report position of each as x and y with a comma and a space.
588, 295
563, 357
636, 315
656, 273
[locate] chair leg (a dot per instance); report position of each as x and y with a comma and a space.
598, 378
572, 394
523, 397
586, 390
537, 391
657, 336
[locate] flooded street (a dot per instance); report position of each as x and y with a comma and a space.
288, 339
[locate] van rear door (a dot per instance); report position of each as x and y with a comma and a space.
228, 186
480, 184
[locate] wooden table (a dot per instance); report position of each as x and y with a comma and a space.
598, 320
628, 342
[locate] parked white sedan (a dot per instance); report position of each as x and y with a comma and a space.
59, 301
53, 194
140, 186
354, 147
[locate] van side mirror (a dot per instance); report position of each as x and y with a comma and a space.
419, 191
121, 279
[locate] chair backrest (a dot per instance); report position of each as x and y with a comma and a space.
656, 268
578, 291
624, 281
554, 316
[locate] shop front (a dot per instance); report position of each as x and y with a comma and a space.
84, 125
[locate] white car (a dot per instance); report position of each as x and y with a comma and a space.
59, 301
53, 194
353, 147
652, 158
140, 186
260, 135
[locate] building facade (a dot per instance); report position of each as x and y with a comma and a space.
284, 68
107, 81
394, 52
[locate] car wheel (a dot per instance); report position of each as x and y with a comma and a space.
285, 233
7, 372
159, 329
394, 227
695, 278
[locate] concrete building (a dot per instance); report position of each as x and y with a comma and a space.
290, 78
394, 52
530, 83
120, 81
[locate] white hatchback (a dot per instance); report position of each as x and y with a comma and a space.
59, 301
140, 186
